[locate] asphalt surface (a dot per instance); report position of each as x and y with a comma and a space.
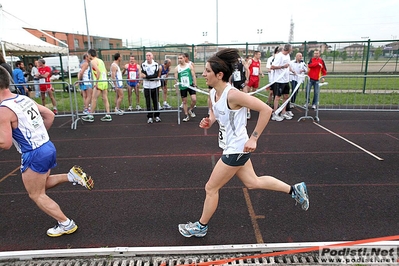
151, 177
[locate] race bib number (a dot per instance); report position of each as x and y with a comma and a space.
222, 137
42, 80
32, 113
163, 76
185, 81
255, 71
103, 76
132, 75
237, 75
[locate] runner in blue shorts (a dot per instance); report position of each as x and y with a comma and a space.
25, 123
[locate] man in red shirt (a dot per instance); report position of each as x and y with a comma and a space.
317, 69
252, 82
44, 74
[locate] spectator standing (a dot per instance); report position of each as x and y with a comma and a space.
317, 69
254, 67
19, 78
44, 74
240, 74
281, 67
133, 74
117, 83
150, 72
34, 73
185, 76
270, 74
299, 68
99, 74
164, 82
85, 85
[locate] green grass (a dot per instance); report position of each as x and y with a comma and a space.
340, 91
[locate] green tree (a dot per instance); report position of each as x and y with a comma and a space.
344, 55
355, 56
377, 53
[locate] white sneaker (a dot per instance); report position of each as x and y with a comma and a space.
287, 116
130, 108
60, 229
277, 117
138, 108
186, 119
157, 119
290, 113
118, 111
80, 177
313, 106
159, 106
191, 113
181, 106
166, 105
150, 121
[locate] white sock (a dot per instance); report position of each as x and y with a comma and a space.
65, 223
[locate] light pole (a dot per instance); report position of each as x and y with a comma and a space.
217, 26
87, 27
259, 32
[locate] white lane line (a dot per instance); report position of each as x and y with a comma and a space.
350, 142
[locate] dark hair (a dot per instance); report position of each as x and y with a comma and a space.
116, 56
92, 52
224, 61
4, 78
186, 55
18, 63
277, 49
41, 60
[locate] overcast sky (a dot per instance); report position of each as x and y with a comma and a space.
185, 21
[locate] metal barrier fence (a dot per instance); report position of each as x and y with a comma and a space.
173, 97
339, 92
60, 91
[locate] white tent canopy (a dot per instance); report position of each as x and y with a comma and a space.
14, 39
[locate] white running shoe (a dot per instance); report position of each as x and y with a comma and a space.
290, 113
80, 177
59, 229
157, 119
191, 113
130, 108
118, 111
150, 121
166, 105
277, 117
287, 116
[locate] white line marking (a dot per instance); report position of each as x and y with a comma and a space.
350, 142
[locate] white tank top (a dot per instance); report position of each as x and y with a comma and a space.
31, 132
87, 75
118, 76
232, 123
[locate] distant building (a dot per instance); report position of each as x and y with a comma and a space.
391, 49
354, 49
